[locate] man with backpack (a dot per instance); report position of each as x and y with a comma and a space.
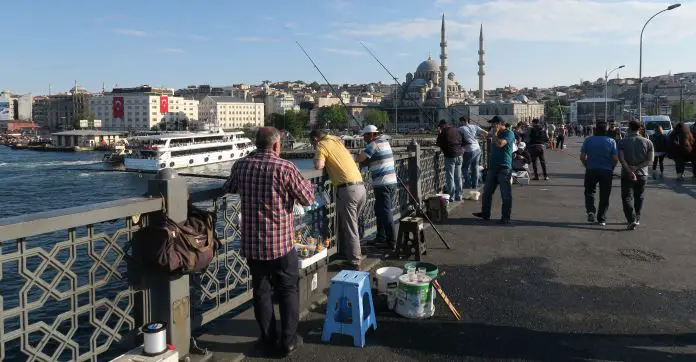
268, 187
538, 139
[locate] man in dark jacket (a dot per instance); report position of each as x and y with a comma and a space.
538, 139
450, 142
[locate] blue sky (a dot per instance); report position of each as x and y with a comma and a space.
178, 43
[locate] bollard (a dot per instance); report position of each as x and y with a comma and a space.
169, 298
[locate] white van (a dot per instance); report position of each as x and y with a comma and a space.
651, 123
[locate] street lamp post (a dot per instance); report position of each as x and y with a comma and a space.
640, 61
607, 73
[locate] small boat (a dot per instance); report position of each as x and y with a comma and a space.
117, 156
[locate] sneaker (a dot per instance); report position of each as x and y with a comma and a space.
632, 226
602, 223
546, 178
480, 215
590, 217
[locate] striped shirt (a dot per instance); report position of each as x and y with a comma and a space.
268, 187
380, 161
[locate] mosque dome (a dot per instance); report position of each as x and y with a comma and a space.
428, 65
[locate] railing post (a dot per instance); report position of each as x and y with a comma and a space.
169, 298
414, 181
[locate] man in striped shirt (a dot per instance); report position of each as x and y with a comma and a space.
269, 187
379, 158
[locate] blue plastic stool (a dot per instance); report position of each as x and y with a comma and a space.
350, 309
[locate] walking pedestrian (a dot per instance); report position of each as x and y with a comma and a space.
499, 172
538, 139
560, 137
269, 187
450, 142
599, 156
379, 158
661, 145
681, 149
333, 156
472, 152
635, 154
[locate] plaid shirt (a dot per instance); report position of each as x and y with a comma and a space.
268, 187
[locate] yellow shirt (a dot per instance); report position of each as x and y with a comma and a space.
338, 161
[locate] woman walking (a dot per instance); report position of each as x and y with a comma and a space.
661, 143
681, 146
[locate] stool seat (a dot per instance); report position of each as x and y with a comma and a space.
411, 238
349, 309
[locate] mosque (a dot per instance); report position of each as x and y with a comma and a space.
426, 96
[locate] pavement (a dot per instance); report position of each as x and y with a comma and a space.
549, 286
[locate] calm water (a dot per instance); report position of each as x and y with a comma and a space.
38, 181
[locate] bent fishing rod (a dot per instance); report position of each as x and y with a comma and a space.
329, 84
403, 87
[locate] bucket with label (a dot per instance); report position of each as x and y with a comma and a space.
386, 275
414, 298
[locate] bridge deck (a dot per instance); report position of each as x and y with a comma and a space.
547, 287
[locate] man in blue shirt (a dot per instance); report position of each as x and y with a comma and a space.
472, 151
379, 158
499, 171
599, 156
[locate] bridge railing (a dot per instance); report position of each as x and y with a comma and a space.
71, 286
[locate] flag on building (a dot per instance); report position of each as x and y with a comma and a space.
117, 107
164, 104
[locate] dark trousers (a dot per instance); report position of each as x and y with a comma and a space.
604, 178
495, 178
386, 231
537, 152
282, 274
680, 164
632, 195
661, 161
560, 142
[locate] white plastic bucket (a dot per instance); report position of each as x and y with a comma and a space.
386, 275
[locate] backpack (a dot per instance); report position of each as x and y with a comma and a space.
170, 247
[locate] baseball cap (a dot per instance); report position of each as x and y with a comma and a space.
369, 129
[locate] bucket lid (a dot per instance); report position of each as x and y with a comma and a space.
154, 327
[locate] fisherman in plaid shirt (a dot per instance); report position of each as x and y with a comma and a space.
268, 187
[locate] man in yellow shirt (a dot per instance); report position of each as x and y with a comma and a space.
333, 156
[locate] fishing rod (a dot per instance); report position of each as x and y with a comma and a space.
419, 210
213, 177
329, 84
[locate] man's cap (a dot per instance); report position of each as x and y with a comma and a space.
369, 129
495, 120
443, 123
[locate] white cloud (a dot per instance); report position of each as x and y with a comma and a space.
254, 39
540, 20
198, 37
348, 52
173, 50
131, 32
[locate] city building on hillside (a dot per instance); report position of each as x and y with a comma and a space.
141, 108
201, 91
591, 110
230, 113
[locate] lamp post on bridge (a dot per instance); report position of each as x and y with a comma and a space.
640, 61
607, 73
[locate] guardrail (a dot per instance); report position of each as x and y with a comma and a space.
71, 286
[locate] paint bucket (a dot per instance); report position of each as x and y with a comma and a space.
386, 275
155, 338
414, 299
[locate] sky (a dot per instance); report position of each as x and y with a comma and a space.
221, 42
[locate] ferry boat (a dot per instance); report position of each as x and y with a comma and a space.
185, 149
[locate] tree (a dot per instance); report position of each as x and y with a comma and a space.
332, 117
377, 117
274, 120
676, 108
314, 85
296, 122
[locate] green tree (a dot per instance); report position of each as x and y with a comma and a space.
377, 117
274, 120
296, 122
688, 111
332, 117
314, 85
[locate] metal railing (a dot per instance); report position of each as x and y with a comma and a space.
70, 282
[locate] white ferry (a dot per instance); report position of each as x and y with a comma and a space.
185, 149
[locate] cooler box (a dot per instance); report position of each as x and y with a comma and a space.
313, 282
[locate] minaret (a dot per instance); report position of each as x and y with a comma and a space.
443, 64
481, 63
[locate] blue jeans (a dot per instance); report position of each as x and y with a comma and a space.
494, 178
383, 213
453, 177
470, 169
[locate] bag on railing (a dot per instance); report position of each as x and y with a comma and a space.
185, 248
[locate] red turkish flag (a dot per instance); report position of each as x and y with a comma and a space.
164, 104
117, 107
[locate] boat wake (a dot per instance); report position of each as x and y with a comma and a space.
61, 163
3, 164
